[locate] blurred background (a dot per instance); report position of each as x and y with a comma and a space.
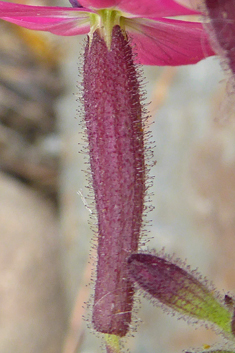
44, 232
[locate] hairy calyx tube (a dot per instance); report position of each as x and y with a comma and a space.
113, 117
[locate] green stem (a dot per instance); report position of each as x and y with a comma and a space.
112, 343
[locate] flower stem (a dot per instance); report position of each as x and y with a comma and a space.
112, 344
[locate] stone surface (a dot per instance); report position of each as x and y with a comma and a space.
31, 290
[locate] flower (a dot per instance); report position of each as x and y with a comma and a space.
114, 119
158, 36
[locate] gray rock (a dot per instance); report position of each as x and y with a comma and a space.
32, 316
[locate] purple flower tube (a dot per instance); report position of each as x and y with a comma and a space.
113, 116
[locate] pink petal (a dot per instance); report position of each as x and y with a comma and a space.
141, 8
195, 4
154, 8
99, 4
168, 42
58, 20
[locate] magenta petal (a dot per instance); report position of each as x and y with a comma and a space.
59, 27
99, 4
154, 8
58, 20
168, 42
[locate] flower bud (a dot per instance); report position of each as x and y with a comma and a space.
178, 289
